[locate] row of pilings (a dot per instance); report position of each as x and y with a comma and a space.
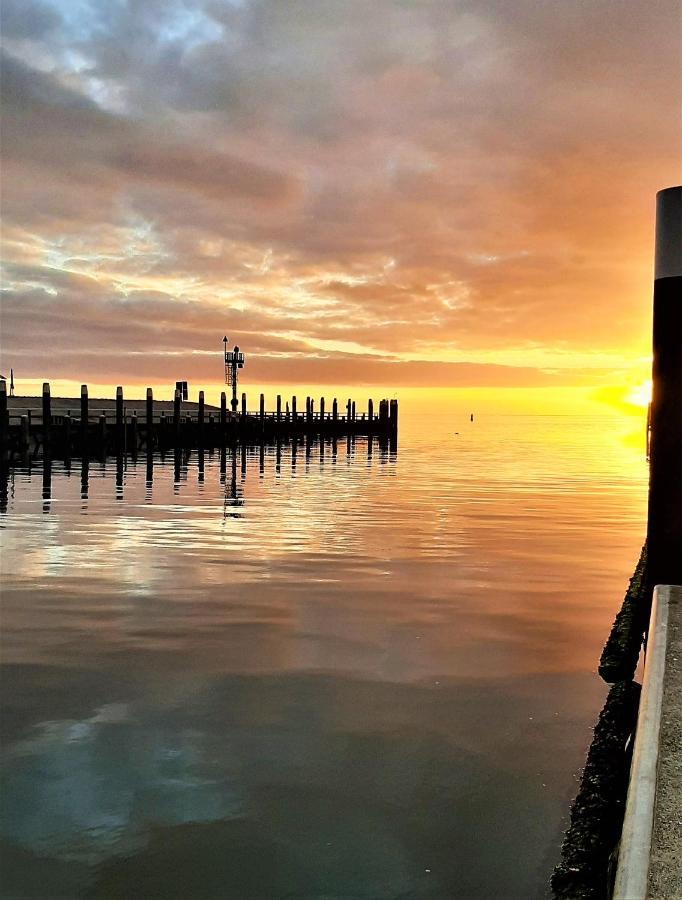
68, 425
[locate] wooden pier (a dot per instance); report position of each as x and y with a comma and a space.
71, 426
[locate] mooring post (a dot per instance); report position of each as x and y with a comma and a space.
4, 414
348, 408
352, 409
322, 409
67, 435
243, 406
307, 409
370, 411
25, 434
223, 417
200, 419
103, 431
293, 409
133, 431
149, 416
47, 413
119, 418
84, 416
393, 416
177, 401
664, 532
261, 411
335, 411
279, 408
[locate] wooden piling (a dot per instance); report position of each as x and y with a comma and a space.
335, 411
261, 411
84, 417
352, 410
24, 433
223, 417
243, 406
370, 411
321, 409
119, 419
348, 409
293, 409
200, 420
133, 432
664, 532
103, 431
149, 416
66, 433
393, 415
47, 413
279, 408
4, 414
177, 404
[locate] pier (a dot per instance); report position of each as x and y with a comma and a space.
83, 425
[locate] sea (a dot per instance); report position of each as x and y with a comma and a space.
345, 670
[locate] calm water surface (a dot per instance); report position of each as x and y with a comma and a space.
349, 674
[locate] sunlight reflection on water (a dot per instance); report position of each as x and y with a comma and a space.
353, 673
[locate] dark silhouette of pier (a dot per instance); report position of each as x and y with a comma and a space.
73, 426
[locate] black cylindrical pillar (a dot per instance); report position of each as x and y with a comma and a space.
665, 474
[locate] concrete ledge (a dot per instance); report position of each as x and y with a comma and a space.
635, 849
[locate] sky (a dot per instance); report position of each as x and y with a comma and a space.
385, 195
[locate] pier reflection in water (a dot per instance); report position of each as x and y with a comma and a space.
305, 671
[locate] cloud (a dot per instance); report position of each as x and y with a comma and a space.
440, 184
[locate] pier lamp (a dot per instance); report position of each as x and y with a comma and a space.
234, 360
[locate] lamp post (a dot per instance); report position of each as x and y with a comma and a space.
234, 360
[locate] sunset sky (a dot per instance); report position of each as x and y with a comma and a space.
383, 193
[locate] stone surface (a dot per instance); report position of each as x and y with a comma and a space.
665, 868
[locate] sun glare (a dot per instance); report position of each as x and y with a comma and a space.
640, 394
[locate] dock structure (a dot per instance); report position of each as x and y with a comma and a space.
67, 425
626, 820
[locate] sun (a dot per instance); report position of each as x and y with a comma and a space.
639, 394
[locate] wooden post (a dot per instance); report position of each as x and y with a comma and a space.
119, 418
200, 419
664, 533
149, 415
243, 406
67, 435
335, 411
25, 435
370, 411
307, 409
353, 410
293, 409
321, 409
262, 410
103, 431
133, 432
223, 417
47, 412
84, 416
4, 414
177, 401
348, 408
393, 416
279, 408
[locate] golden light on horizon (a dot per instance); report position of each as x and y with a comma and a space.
640, 394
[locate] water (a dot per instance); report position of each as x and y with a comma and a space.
350, 675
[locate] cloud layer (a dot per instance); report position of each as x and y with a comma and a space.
396, 192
